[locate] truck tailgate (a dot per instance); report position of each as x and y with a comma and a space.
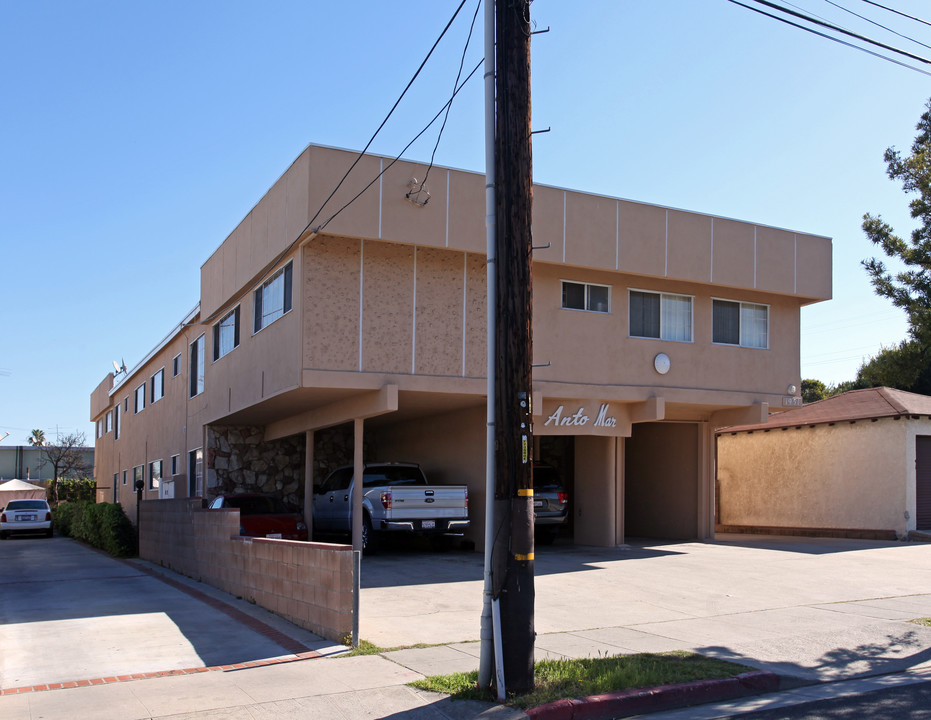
437, 501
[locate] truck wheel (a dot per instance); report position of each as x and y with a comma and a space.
369, 539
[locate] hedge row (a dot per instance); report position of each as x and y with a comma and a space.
103, 525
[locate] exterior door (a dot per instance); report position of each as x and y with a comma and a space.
923, 482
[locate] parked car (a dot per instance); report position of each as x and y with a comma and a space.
550, 503
26, 516
263, 516
396, 498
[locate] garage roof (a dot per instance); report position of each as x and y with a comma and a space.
866, 404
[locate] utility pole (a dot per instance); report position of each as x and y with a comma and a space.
513, 548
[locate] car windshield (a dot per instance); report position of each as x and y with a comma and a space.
256, 505
27, 505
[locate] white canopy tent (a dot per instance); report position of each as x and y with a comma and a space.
18, 490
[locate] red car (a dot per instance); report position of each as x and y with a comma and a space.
263, 516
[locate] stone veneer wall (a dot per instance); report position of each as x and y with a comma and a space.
308, 584
240, 460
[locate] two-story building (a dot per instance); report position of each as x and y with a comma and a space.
652, 327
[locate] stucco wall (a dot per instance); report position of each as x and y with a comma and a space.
661, 481
308, 584
845, 475
451, 450
596, 503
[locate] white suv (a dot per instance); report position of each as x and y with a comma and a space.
25, 516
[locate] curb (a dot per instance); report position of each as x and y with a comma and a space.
663, 697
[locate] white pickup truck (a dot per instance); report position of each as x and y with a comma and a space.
395, 498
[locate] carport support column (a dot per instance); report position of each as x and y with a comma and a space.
309, 483
357, 484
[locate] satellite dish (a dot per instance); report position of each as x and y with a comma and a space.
116, 367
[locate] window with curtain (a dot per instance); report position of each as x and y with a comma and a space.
662, 316
737, 323
273, 299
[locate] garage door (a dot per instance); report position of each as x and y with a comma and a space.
923, 481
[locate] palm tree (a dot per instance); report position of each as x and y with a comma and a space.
37, 438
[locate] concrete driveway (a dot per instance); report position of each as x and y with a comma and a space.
817, 609
71, 614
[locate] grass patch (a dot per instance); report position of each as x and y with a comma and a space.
926, 621
367, 648
559, 679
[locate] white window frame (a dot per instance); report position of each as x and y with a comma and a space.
174, 464
197, 367
176, 365
740, 323
99, 429
139, 399
108, 422
155, 478
161, 387
588, 296
141, 476
663, 314
261, 318
223, 344
116, 422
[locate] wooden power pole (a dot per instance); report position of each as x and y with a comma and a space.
513, 547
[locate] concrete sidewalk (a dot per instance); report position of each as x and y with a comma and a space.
812, 611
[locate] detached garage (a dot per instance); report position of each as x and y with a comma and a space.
853, 465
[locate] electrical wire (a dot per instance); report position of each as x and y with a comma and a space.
398, 157
283, 253
383, 122
449, 106
834, 39
836, 28
897, 12
880, 25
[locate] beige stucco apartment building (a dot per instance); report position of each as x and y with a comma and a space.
652, 327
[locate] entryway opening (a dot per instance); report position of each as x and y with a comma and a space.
662, 481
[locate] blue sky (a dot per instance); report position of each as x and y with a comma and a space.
135, 135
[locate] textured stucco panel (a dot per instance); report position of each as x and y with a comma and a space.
643, 239
388, 305
331, 304
775, 260
476, 319
689, 246
850, 476
439, 313
326, 167
733, 253
548, 224
591, 231
466, 219
405, 221
814, 256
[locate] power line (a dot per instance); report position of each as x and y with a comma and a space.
383, 122
449, 106
398, 157
897, 12
355, 162
835, 39
836, 28
880, 25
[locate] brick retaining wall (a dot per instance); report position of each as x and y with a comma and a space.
308, 584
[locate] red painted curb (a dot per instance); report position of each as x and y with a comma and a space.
664, 697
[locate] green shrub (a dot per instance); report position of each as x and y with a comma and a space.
103, 525
63, 518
